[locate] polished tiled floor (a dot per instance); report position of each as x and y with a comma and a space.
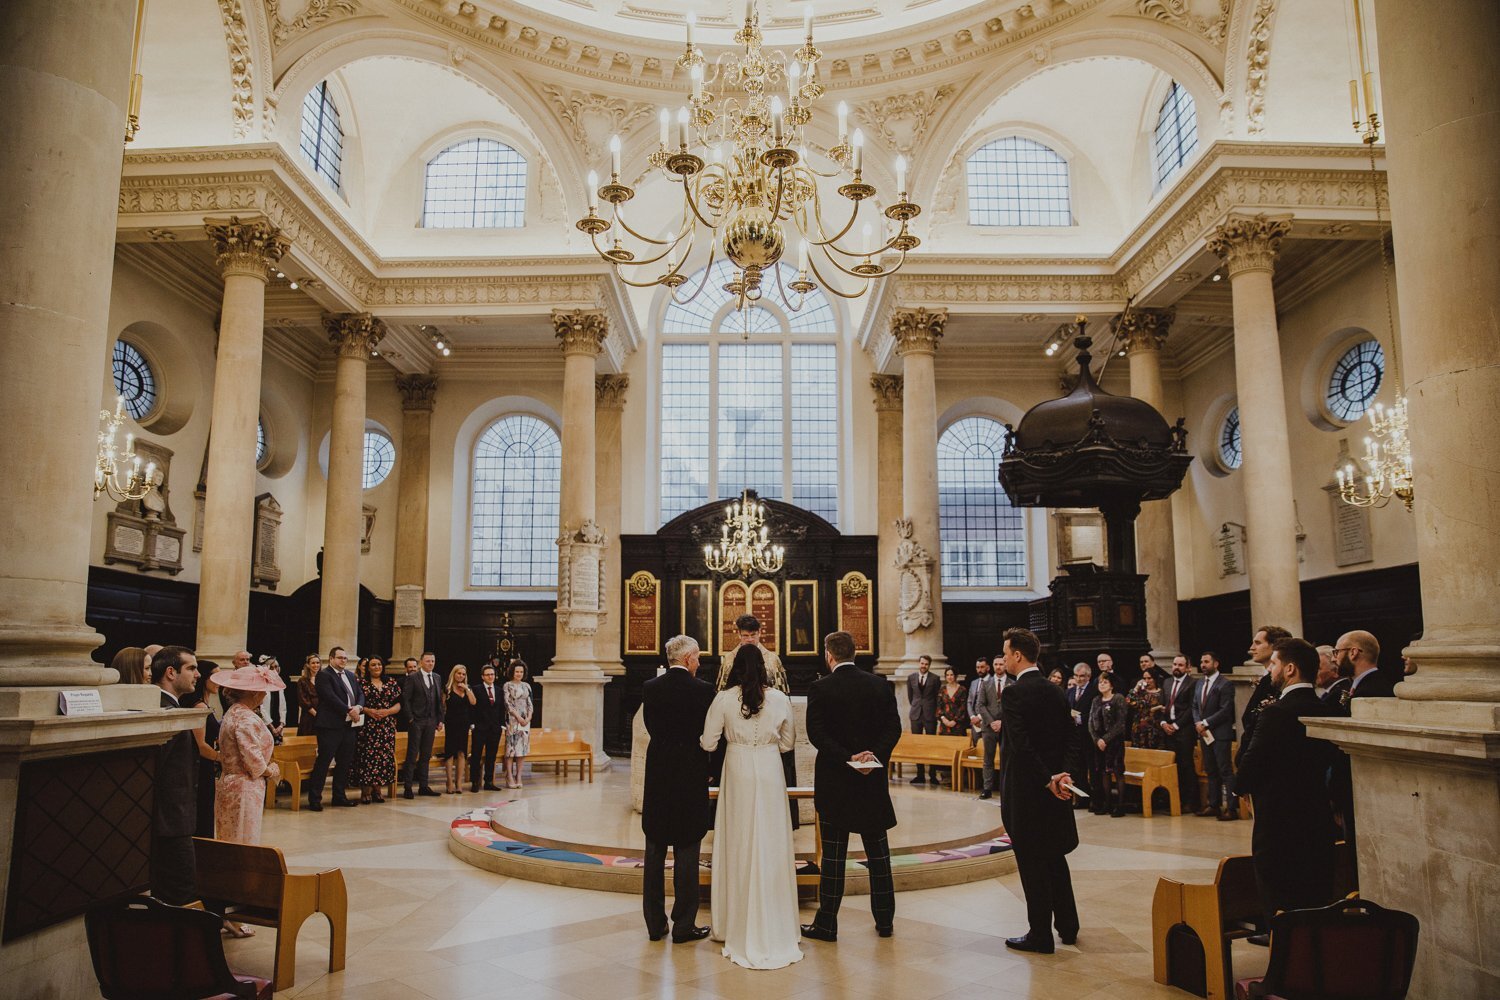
423, 924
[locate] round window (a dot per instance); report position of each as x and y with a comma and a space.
135, 380
1355, 380
380, 456
1231, 451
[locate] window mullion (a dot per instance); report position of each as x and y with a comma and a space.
788, 472
712, 491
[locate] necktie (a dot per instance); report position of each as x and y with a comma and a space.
347, 689
1176, 686
489, 689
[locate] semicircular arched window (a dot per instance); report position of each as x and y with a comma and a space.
1231, 448
135, 380
1355, 380
517, 481
1017, 181
322, 136
983, 536
1176, 132
475, 184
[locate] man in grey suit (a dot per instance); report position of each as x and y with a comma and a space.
422, 705
985, 697
1213, 718
981, 671
922, 696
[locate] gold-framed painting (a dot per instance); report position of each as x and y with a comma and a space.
802, 617
642, 614
734, 600
696, 604
765, 605
855, 596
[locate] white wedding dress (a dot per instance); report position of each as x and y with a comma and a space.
754, 896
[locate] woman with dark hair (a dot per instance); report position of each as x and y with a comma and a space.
518, 712
307, 695
131, 663
1108, 718
754, 895
1145, 701
375, 746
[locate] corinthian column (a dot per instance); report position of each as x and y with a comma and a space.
1144, 331
354, 336
609, 401
412, 488
888, 511
246, 250
573, 686
1248, 246
919, 609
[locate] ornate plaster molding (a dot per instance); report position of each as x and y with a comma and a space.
580, 579
248, 246
1250, 243
1180, 13
901, 120
592, 118
241, 67
418, 391
888, 391
917, 331
609, 391
1259, 68
914, 572
315, 14
353, 335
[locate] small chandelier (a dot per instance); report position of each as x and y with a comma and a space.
756, 180
745, 545
1387, 466
120, 474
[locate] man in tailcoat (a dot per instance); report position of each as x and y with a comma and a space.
676, 811
852, 718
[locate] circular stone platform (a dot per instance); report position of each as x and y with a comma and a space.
586, 836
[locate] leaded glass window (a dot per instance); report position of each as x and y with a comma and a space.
1355, 380
380, 457
475, 184
684, 428
1176, 132
514, 519
322, 139
260, 443
749, 416
1016, 181
135, 380
1231, 449
983, 536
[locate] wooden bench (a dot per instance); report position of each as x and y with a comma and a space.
1153, 769
561, 746
296, 756
932, 751
254, 881
971, 766
1216, 913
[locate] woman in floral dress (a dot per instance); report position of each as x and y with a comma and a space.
518, 712
375, 751
1145, 713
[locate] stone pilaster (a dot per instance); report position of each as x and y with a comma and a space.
246, 250
1248, 246
887, 393
609, 406
1144, 332
418, 392
353, 336
919, 608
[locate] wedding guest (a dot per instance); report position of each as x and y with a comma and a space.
1080, 698
174, 669
458, 716
952, 706
307, 696
1357, 655
422, 705
153, 648
981, 670
132, 664
489, 728
1145, 701
986, 721
1178, 730
1108, 717
207, 738
1213, 719
274, 708
1055, 676
340, 712
921, 700
375, 746
1264, 692
518, 711
409, 666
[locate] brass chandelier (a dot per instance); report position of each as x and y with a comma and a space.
739, 153
745, 545
119, 473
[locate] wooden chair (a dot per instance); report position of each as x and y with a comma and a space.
254, 881
561, 747
1215, 913
143, 949
1153, 769
932, 751
1350, 950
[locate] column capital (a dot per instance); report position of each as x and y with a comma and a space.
353, 335
609, 391
887, 391
246, 246
1250, 243
1144, 329
580, 331
417, 391
918, 331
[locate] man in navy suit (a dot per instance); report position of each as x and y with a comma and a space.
341, 707
1213, 719
1177, 723
489, 724
1356, 656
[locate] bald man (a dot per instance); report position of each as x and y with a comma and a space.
1357, 656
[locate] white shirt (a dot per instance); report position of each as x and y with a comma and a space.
1027, 671
1293, 687
1172, 698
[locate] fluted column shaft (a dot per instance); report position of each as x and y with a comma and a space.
246, 250
412, 488
888, 501
917, 333
1144, 332
354, 336
609, 401
65, 70
1248, 247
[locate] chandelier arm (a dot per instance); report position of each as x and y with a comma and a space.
693, 204
702, 283
668, 242
812, 262
824, 239
786, 299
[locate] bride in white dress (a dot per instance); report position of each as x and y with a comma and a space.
754, 896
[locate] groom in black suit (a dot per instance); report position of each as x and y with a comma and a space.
852, 717
676, 811
1038, 752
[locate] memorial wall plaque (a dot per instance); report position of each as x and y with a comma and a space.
734, 600
802, 617
697, 617
854, 599
642, 614
407, 612
765, 605
1351, 531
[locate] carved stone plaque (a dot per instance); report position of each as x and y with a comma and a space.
1351, 531
408, 610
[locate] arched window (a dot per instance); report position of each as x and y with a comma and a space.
380, 457
514, 526
322, 141
260, 443
756, 409
135, 380
1231, 450
475, 184
1018, 182
983, 536
1355, 380
1176, 132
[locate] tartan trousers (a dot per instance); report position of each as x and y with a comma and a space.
831, 879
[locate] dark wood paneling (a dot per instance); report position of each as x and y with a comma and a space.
972, 629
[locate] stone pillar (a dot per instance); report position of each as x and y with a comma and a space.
573, 686
412, 489
919, 608
1248, 246
1427, 763
68, 64
609, 401
246, 249
354, 336
1143, 332
888, 510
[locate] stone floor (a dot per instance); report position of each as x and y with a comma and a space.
423, 924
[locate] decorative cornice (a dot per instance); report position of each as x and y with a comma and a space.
353, 335
1180, 14
418, 391
316, 13
918, 331
241, 67
248, 246
1259, 68
580, 331
888, 391
609, 391
901, 120
1250, 243
1144, 329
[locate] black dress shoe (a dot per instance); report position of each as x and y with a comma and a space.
1264, 940
407, 794
694, 934
885, 931
1024, 943
316, 807
346, 802
430, 791
492, 788
657, 935
1068, 938
919, 780
986, 794
474, 787
818, 933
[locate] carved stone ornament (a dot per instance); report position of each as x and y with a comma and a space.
264, 568
580, 331
887, 391
901, 120
314, 14
1259, 57
241, 67
417, 391
1144, 329
368, 513
1250, 243
246, 246
918, 330
593, 118
353, 335
914, 577
1180, 13
144, 533
609, 391
580, 579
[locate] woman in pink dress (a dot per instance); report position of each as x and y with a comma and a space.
245, 746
